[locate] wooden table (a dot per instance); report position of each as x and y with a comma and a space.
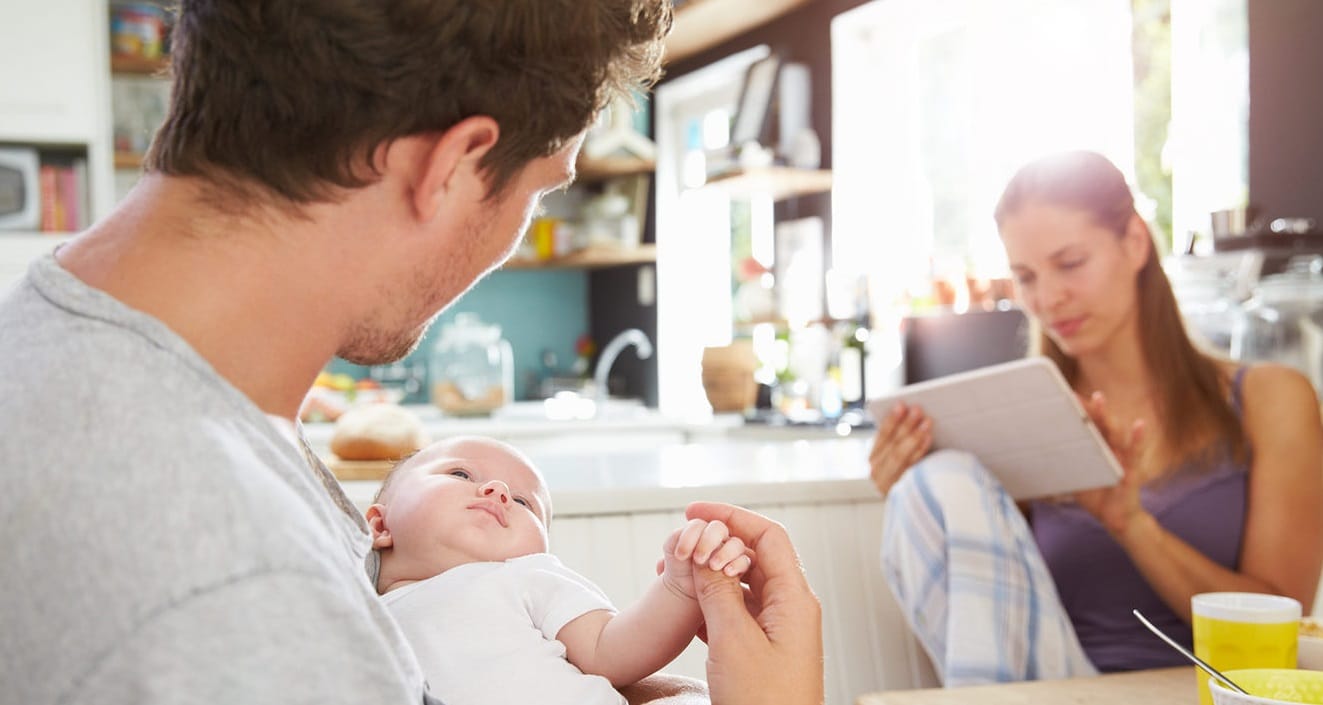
1164, 686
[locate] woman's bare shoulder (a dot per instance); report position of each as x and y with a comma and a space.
1273, 379
1277, 394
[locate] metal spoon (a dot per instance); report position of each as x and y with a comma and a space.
1197, 661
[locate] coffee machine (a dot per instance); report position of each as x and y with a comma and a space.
1279, 240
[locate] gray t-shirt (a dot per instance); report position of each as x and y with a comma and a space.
163, 542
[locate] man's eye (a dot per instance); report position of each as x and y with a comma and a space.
462, 474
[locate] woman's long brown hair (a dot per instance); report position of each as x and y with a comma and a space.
1192, 390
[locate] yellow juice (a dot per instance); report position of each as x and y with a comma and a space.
1227, 645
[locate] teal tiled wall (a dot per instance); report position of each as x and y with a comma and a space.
536, 309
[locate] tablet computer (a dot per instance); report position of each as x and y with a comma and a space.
1021, 420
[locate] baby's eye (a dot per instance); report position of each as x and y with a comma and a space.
521, 500
462, 474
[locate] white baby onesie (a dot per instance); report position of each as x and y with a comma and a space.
485, 633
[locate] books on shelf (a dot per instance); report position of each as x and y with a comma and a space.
65, 196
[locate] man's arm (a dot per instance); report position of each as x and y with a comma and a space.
268, 638
774, 653
666, 689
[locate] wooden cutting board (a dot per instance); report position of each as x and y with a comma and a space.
359, 470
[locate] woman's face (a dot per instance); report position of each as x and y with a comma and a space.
1076, 277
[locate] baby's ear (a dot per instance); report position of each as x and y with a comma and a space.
376, 520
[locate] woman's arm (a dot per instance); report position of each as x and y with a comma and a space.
1285, 506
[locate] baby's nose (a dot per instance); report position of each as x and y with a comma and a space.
496, 490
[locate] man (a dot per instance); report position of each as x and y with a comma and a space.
332, 173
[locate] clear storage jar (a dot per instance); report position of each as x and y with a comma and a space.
1280, 322
471, 368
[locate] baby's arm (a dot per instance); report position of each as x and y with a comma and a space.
648, 634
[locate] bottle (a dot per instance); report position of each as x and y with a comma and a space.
471, 368
852, 362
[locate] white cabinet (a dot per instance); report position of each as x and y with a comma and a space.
54, 71
55, 95
867, 645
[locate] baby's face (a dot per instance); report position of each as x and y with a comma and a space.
466, 501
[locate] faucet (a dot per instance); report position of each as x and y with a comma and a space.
608, 357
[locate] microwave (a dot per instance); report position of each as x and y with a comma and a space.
20, 192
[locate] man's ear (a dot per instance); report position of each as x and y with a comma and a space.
450, 166
376, 521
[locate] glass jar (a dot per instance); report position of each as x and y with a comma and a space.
471, 368
1280, 322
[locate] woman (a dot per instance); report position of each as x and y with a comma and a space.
1223, 465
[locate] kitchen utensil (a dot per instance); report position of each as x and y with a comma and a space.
1195, 659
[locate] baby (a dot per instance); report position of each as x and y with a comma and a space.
461, 529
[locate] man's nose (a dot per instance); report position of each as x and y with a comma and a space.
496, 490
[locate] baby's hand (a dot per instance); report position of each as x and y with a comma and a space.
702, 543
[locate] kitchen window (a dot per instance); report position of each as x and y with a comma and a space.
696, 227
937, 102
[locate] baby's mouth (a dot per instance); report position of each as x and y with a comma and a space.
491, 509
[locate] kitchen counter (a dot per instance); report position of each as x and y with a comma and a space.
642, 461
523, 420
667, 476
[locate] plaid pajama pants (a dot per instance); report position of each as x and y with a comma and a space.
964, 567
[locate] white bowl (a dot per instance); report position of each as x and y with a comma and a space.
1306, 684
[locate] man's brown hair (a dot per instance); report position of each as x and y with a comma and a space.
294, 96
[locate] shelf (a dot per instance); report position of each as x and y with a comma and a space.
592, 170
703, 24
128, 160
138, 66
591, 258
779, 182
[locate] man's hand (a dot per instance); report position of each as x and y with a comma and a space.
772, 652
702, 543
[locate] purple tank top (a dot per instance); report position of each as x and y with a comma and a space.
1202, 503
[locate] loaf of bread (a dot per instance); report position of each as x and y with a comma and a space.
377, 432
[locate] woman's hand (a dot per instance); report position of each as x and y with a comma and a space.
768, 649
902, 439
1116, 507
